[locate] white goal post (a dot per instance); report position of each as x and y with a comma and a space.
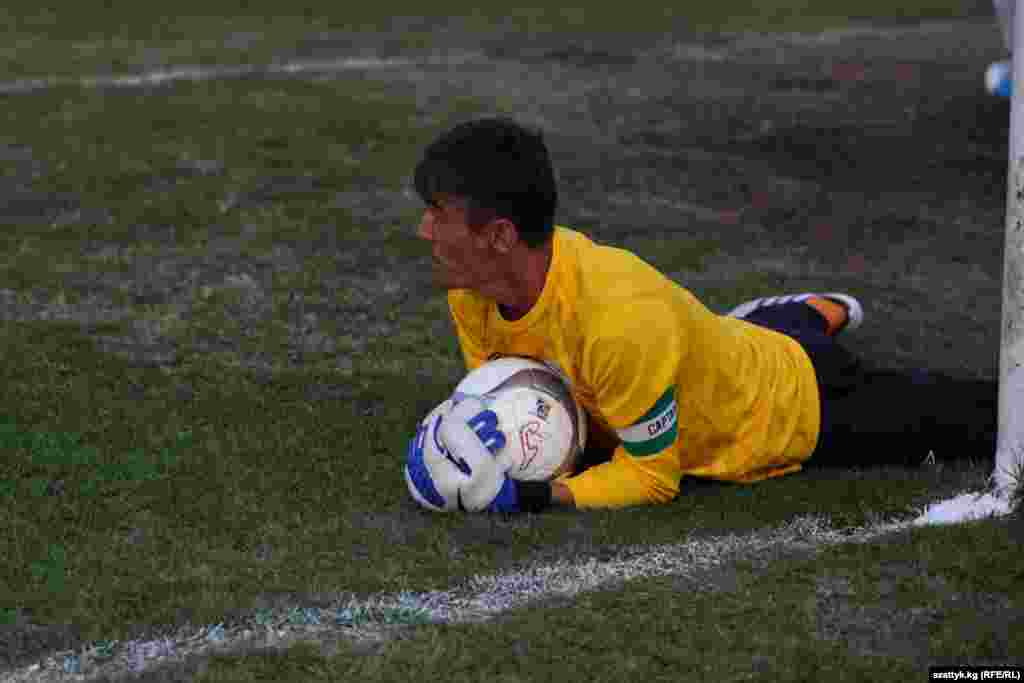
1010, 450
1009, 461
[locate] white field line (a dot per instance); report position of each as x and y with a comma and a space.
199, 73
695, 51
480, 598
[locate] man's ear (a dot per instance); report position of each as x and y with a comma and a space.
506, 235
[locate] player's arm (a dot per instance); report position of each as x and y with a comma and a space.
622, 482
632, 366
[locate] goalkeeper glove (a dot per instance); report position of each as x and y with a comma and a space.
448, 466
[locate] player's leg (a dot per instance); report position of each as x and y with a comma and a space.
872, 416
838, 312
903, 417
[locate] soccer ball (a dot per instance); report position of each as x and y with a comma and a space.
544, 428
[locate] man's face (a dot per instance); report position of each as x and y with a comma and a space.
462, 255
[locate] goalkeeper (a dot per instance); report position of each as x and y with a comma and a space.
671, 389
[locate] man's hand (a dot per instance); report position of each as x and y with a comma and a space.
449, 466
471, 436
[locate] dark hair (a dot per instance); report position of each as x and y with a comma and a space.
500, 168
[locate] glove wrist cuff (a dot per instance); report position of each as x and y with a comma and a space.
534, 496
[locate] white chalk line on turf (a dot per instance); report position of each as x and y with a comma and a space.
694, 51
478, 599
200, 73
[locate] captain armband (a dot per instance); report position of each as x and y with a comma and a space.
656, 430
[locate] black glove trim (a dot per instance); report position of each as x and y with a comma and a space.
534, 496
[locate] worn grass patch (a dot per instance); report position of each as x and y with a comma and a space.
102, 37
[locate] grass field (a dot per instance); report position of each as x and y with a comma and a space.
219, 332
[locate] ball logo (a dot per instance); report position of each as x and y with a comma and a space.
543, 409
531, 438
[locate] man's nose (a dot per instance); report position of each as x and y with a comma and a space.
426, 228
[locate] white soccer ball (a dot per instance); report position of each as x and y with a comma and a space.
544, 427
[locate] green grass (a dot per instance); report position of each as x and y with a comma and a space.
141, 156
166, 500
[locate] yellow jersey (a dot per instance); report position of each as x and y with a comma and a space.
675, 388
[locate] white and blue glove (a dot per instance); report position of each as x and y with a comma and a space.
450, 464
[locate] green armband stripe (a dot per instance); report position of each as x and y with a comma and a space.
656, 430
